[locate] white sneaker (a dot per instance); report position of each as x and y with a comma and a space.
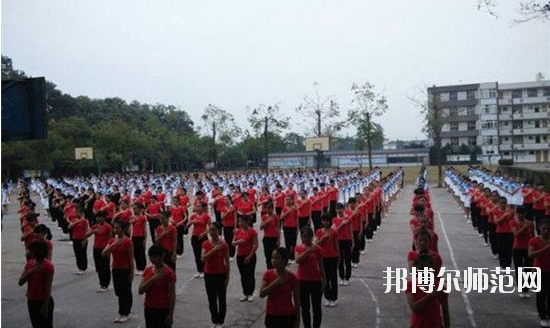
292, 261
327, 303
521, 295
250, 298
179, 256
486, 245
341, 283
545, 323
480, 235
197, 275
332, 304
102, 289
80, 273
117, 320
355, 265
123, 319
527, 295
139, 273
231, 259
362, 252
201, 275
369, 241
243, 298
346, 282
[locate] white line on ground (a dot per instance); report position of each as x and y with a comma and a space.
375, 300
465, 298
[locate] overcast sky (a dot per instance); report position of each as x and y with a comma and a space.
241, 53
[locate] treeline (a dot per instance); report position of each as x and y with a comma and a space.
125, 135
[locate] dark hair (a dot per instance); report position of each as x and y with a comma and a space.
419, 208
352, 200
339, 206
155, 251
424, 260
326, 216
424, 232
544, 221
306, 230
41, 228
39, 249
123, 225
216, 225
283, 253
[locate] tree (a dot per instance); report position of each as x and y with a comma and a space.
367, 104
295, 142
268, 119
220, 126
528, 9
432, 109
324, 111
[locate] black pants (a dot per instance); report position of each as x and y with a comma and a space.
102, 267
291, 234
196, 243
331, 275
278, 211
228, 237
37, 320
277, 321
247, 270
139, 252
270, 243
167, 259
521, 259
344, 269
493, 237
302, 222
528, 211
123, 289
484, 225
215, 290
332, 208
316, 218
81, 254
355, 251
538, 215
179, 238
218, 216
153, 224
543, 297
378, 217
371, 225
155, 318
474, 215
505, 241
310, 296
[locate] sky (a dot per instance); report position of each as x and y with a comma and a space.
239, 54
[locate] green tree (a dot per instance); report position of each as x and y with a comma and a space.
220, 126
267, 120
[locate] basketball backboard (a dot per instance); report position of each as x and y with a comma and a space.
318, 143
83, 153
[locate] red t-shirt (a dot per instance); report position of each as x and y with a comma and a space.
177, 213
160, 197
529, 198
504, 225
110, 211
538, 204
157, 296
80, 229
521, 241
304, 207
36, 289
98, 205
438, 262
167, 242
200, 223
246, 248
236, 199
279, 198
103, 234
543, 260
291, 219
251, 194
328, 249
138, 226
323, 195
216, 264
125, 215
309, 269
219, 203
355, 219
316, 202
184, 200
279, 301
344, 233
430, 315
230, 218
246, 207
271, 229
119, 252
292, 193
154, 210
333, 194
547, 204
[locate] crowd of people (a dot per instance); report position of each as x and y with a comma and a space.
513, 219
325, 218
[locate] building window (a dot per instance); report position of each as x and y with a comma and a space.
516, 93
453, 96
506, 153
492, 93
471, 95
489, 124
546, 92
531, 152
517, 109
537, 124
500, 95
470, 111
453, 111
471, 125
532, 92
537, 109
517, 140
504, 109
472, 141
488, 140
454, 126
454, 141
537, 139
517, 125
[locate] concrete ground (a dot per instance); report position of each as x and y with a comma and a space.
361, 304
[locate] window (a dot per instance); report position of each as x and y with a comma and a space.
537, 124
516, 93
453, 96
489, 152
517, 109
537, 109
471, 95
471, 125
532, 92
506, 153
530, 137
517, 140
500, 95
537, 139
531, 152
489, 124
472, 141
546, 92
454, 126
454, 141
504, 109
488, 140
492, 93
453, 111
517, 125
470, 111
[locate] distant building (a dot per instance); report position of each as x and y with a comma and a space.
507, 120
389, 144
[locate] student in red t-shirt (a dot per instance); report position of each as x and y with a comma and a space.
215, 255
153, 216
263, 199
179, 220
246, 208
122, 251
200, 220
316, 201
342, 225
229, 222
159, 286
271, 226
311, 278
42, 232
139, 237
327, 239
523, 232
289, 217
539, 250
79, 227
333, 197
283, 296
279, 199
125, 213
167, 239
102, 232
527, 194
505, 239
303, 206
423, 242
38, 275
246, 241
538, 204
428, 309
